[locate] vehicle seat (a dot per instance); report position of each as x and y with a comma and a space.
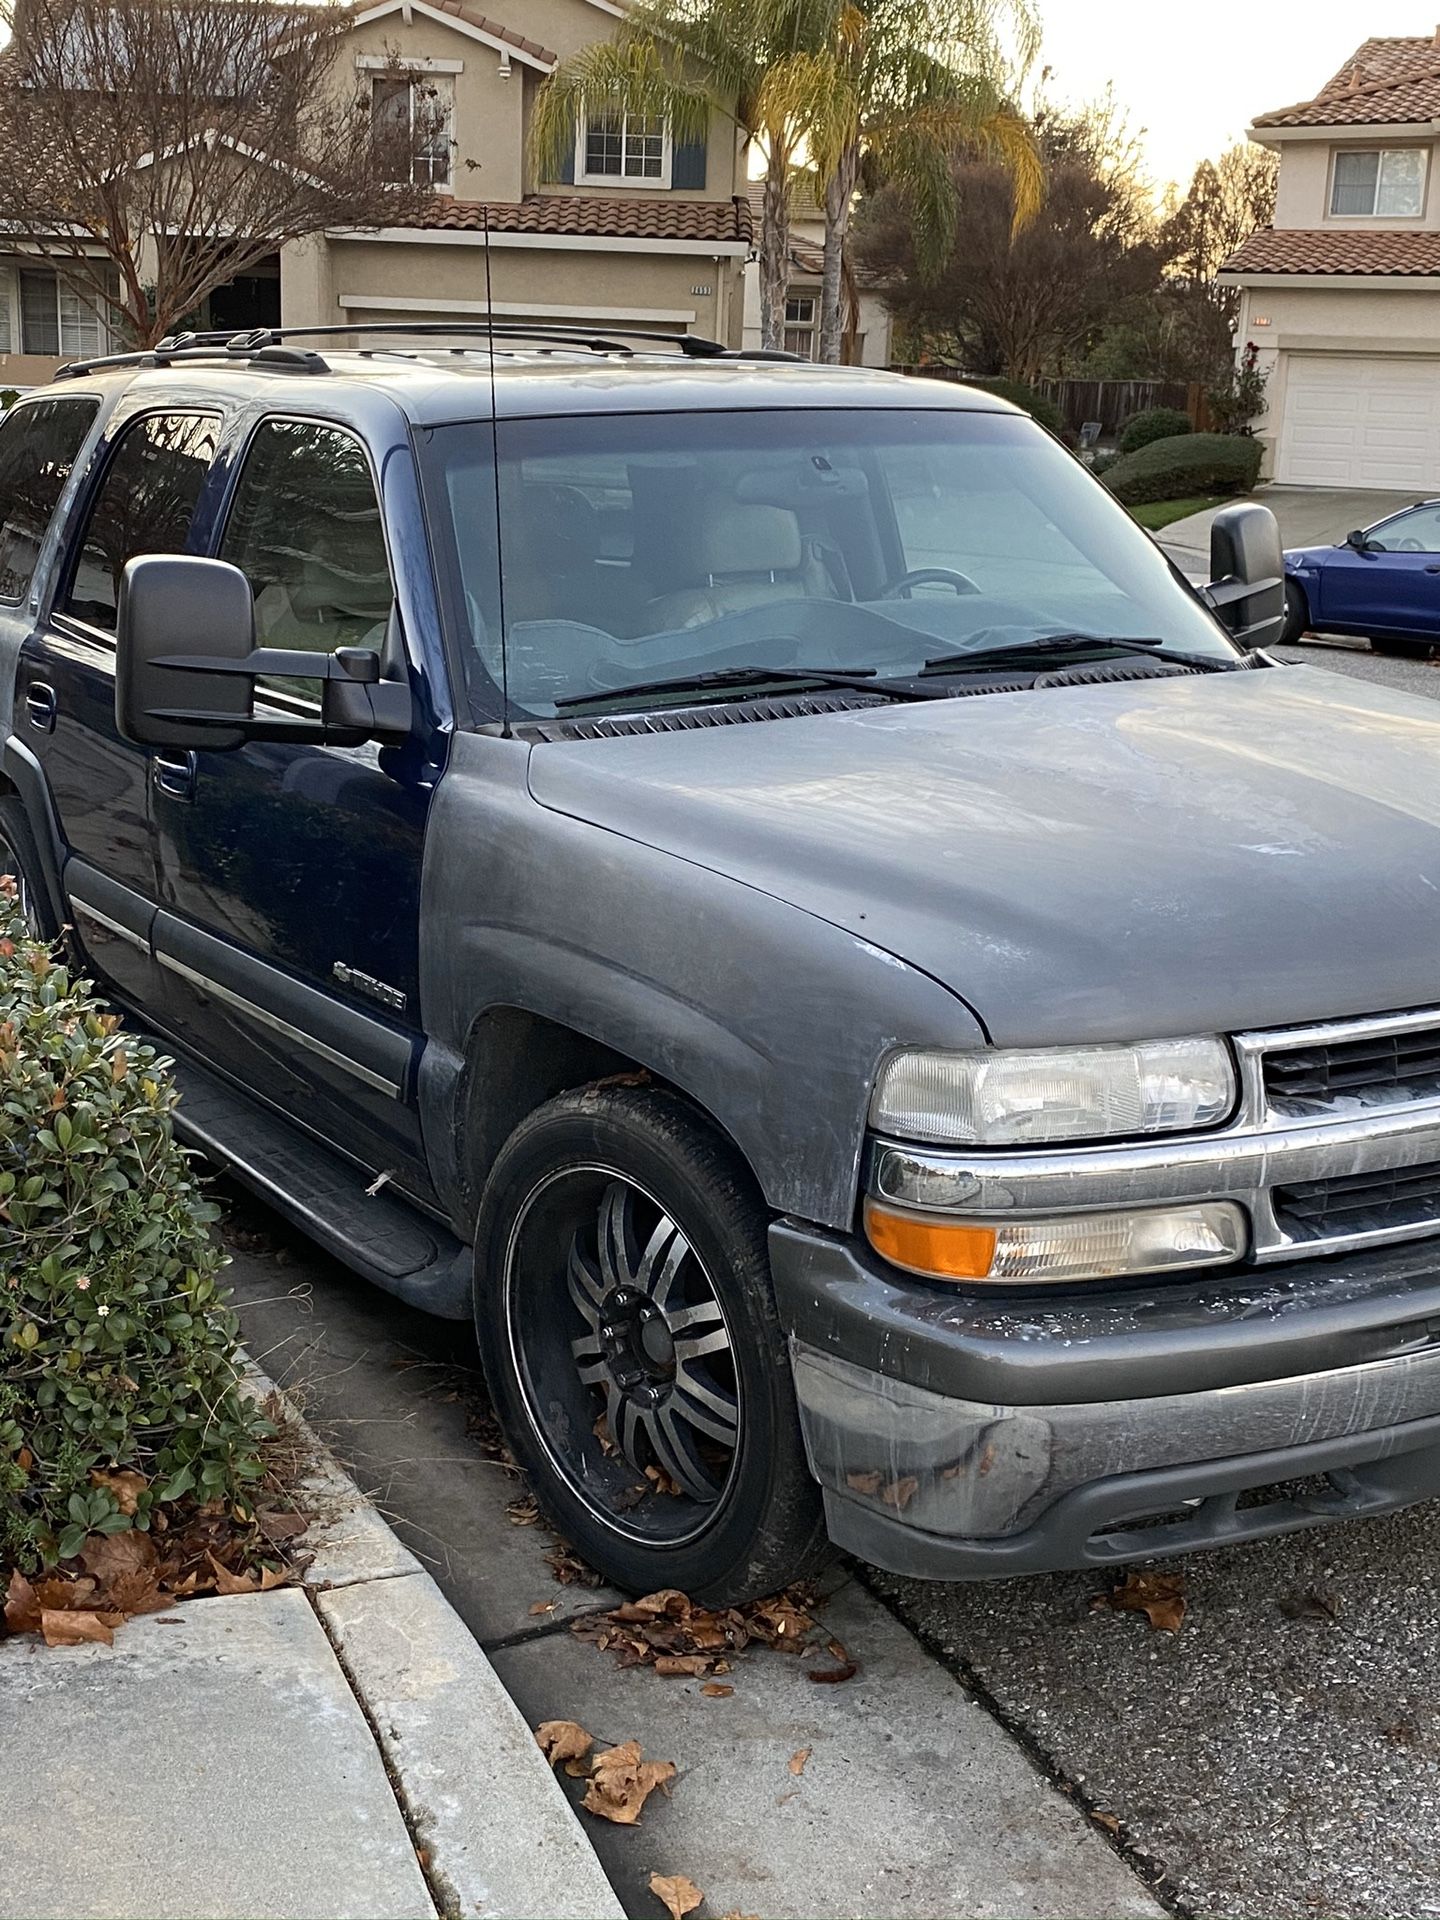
749, 555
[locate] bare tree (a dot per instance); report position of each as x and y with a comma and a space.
151, 152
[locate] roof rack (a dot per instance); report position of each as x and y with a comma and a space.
266, 346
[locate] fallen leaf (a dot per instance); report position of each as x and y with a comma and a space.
569, 1569
663, 1482
833, 1676
865, 1482
125, 1488
712, 1691
1108, 1821
900, 1492
543, 1606
67, 1627
691, 1663
622, 1780
797, 1760
523, 1511
22, 1610
282, 1526
1159, 1596
601, 1431
563, 1740
1311, 1605
676, 1894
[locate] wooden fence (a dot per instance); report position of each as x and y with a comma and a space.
1111, 402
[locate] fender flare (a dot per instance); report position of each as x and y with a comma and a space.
25, 773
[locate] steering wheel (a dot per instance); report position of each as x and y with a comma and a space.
929, 577
1409, 545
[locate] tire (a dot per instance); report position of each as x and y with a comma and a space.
1403, 649
20, 857
622, 1288
1297, 615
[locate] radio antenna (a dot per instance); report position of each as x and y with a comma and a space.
495, 453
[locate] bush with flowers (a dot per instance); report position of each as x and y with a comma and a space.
118, 1376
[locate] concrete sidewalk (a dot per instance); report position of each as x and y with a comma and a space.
341, 1751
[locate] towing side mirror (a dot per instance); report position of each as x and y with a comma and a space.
1247, 574
186, 666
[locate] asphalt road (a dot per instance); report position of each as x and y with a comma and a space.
1276, 1759
1353, 657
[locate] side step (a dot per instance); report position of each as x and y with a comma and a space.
387, 1241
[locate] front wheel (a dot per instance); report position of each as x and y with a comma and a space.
1403, 649
1297, 614
630, 1339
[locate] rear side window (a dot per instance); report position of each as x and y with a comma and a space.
145, 504
38, 447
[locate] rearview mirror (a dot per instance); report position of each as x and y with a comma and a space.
186, 667
1247, 574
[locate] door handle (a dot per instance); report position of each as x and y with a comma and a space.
1434, 569
173, 774
41, 706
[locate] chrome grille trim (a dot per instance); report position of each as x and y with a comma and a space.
1261, 1148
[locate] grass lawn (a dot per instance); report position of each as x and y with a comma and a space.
1155, 514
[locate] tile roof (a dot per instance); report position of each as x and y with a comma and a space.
656, 217
1345, 250
803, 204
476, 19
1384, 82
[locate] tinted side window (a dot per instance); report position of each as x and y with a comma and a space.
144, 505
38, 445
305, 530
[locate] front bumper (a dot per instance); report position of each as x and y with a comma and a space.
959, 1436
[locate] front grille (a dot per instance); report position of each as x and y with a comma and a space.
1395, 1064
1359, 1203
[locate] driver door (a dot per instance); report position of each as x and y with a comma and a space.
1393, 587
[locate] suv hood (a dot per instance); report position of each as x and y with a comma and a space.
1126, 861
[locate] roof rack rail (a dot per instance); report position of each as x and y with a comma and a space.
265, 346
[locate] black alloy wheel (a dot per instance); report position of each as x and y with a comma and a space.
629, 1334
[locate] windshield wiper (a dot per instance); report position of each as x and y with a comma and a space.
866, 679
1156, 649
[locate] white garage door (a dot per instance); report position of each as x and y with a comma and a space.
1360, 422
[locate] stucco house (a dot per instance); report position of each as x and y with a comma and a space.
636, 229
1341, 296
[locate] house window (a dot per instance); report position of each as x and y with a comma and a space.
417, 113
7, 302
623, 146
1388, 183
800, 325
54, 319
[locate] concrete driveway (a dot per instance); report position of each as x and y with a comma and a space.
1308, 517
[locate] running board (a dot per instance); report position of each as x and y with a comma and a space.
382, 1237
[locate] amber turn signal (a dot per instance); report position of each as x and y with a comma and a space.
940, 1248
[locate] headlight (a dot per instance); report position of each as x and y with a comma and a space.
1007, 1098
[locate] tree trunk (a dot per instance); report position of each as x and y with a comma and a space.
839, 199
774, 250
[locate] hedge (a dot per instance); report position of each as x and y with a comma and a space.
118, 1374
1188, 463
1153, 423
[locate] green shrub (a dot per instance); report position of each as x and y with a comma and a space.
1153, 423
1101, 463
117, 1351
1019, 395
1189, 463
8, 397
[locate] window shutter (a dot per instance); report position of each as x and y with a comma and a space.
564, 176
687, 167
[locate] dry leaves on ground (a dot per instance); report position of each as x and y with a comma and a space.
797, 1761
1159, 1596
618, 1781
672, 1634
676, 1894
116, 1576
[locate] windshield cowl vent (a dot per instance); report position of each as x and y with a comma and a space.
725, 713
1104, 670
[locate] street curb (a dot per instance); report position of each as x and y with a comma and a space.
496, 1834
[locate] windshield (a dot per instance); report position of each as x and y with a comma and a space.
644, 548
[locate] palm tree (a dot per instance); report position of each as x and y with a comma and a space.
902, 85
684, 60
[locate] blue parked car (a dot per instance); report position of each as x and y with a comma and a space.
1382, 583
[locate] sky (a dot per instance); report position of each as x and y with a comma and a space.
1194, 75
